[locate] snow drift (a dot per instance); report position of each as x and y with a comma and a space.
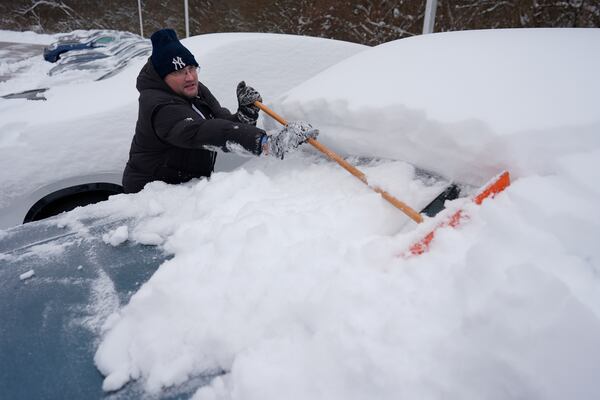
287, 275
464, 104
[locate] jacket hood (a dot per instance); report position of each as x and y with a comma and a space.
149, 79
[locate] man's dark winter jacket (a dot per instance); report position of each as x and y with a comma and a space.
172, 133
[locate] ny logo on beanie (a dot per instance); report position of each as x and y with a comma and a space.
178, 63
168, 54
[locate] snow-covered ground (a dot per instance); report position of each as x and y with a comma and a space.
26, 37
287, 276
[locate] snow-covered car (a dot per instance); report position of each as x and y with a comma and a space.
77, 56
76, 41
286, 278
102, 53
71, 149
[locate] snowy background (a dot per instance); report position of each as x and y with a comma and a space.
287, 275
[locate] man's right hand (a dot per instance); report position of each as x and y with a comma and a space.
247, 112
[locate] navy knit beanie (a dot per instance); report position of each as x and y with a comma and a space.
168, 54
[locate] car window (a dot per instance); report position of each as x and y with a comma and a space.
103, 40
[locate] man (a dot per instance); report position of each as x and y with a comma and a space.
180, 122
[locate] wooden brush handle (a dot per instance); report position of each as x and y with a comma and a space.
414, 215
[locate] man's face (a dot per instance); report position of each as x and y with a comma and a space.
184, 82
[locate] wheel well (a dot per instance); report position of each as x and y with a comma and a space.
68, 198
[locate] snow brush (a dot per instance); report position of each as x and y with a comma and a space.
489, 190
411, 213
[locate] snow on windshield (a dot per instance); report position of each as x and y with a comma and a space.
286, 275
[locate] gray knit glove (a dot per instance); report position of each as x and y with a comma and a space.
289, 137
247, 112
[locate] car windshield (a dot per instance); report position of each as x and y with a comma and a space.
79, 280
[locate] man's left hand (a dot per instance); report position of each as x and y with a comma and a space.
289, 137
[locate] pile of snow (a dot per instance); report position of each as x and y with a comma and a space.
116, 237
286, 275
463, 104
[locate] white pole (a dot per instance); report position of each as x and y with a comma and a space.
140, 14
429, 21
187, 19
